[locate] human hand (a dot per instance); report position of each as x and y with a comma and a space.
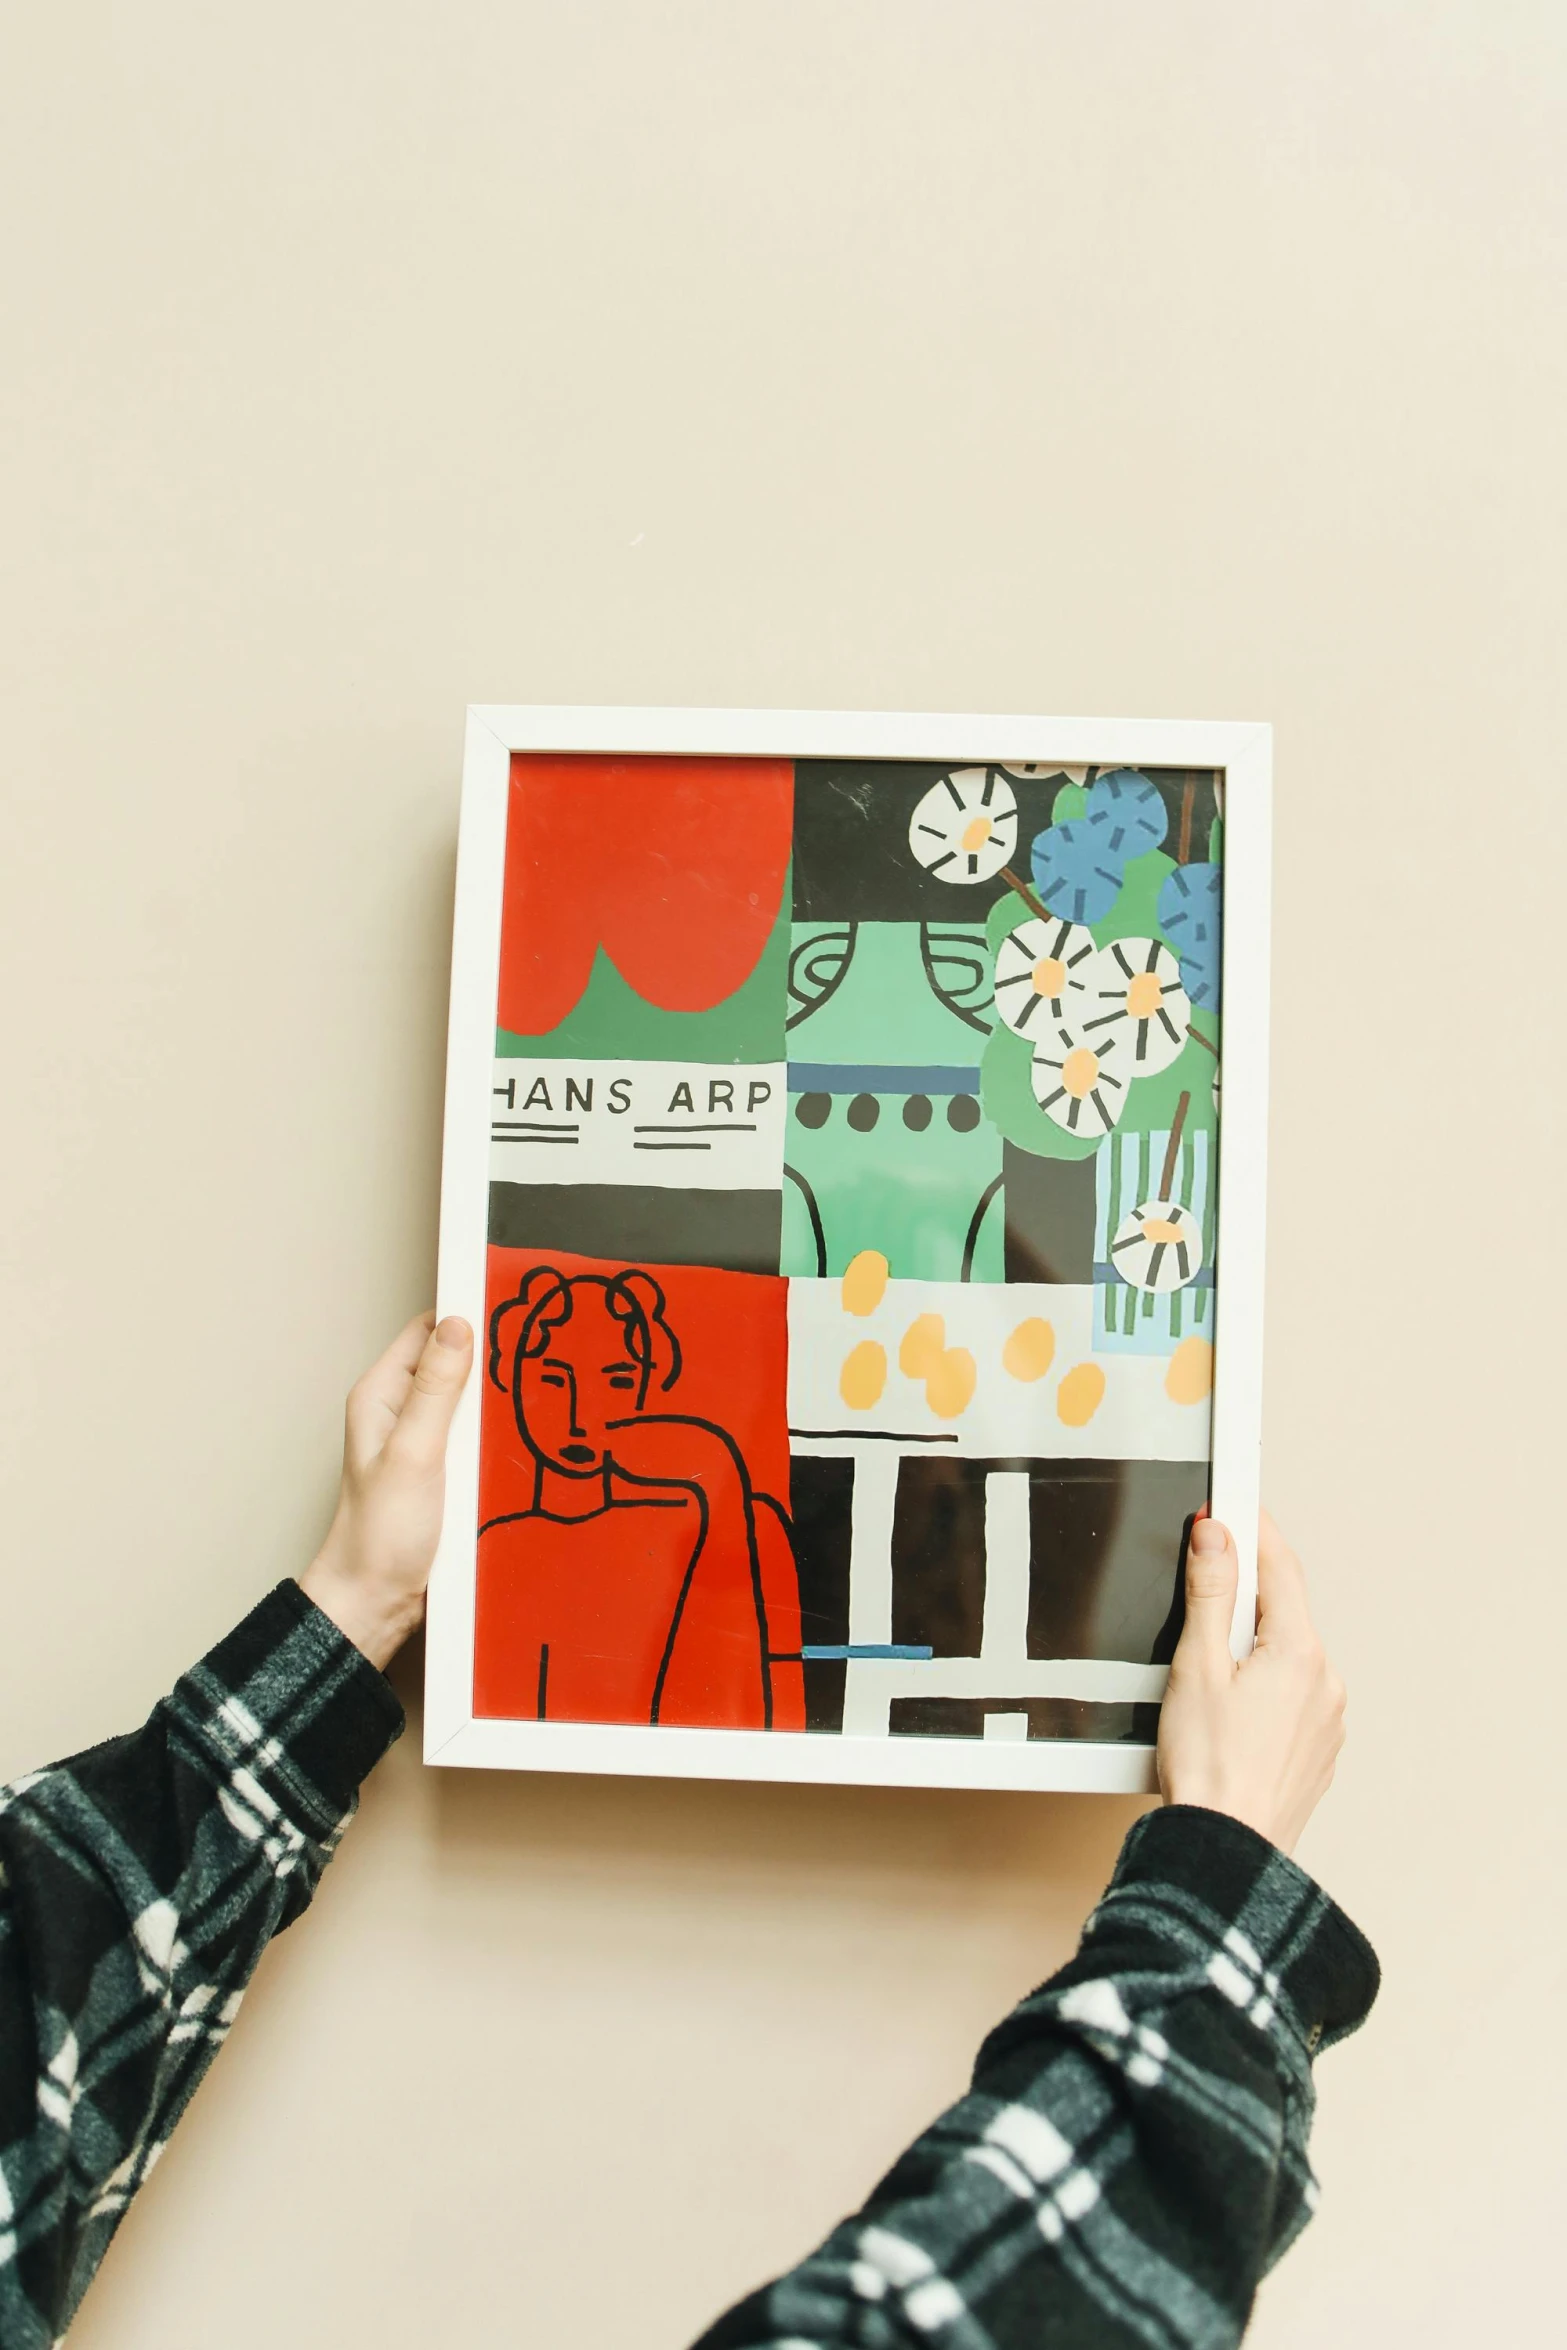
1256, 1739
370, 1574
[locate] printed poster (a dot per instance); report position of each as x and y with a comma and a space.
849, 1356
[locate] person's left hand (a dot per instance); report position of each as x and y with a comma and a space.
370, 1574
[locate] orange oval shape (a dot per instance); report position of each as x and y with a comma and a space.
1190, 1376
864, 1282
863, 1376
1030, 1349
924, 1342
949, 1389
1079, 1395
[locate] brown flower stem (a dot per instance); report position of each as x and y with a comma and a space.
1024, 892
1172, 1152
1183, 853
1198, 1037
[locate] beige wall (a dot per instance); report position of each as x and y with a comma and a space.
362, 360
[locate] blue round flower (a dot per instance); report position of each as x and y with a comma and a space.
1191, 917
1127, 815
1074, 875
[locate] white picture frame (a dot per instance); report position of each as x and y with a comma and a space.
453, 1737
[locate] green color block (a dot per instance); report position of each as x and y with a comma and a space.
611, 1022
1006, 1092
909, 1184
911, 1194
1135, 913
884, 1007
1071, 800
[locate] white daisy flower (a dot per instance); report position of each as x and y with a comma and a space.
1042, 976
1138, 988
1077, 1085
965, 827
1158, 1247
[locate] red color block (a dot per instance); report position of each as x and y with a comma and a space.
675, 866
634, 1561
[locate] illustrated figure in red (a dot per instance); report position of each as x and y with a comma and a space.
646, 1581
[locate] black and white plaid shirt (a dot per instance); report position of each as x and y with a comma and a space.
1130, 2159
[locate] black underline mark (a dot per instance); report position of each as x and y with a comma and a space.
519, 1139
528, 1126
732, 1126
873, 1435
671, 1146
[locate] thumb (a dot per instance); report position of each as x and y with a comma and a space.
1212, 1571
421, 1431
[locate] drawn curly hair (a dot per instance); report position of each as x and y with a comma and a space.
522, 1326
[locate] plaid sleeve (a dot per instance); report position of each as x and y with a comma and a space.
139, 1884
1131, 2157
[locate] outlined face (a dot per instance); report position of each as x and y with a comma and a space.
567, 1396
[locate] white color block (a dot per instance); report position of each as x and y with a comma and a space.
1004, 1635
1136, 1421
678, 1125
870, 1591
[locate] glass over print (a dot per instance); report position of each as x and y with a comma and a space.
852, 1244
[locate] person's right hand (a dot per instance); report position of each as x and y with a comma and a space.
1256, 1739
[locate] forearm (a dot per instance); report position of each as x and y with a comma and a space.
139, 1885
1132, 2155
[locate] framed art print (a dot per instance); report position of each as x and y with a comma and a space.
865, 1255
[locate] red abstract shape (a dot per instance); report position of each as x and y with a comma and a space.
675, 866
634, 1556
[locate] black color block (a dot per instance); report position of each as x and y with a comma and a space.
821, 1494
736, 1231
1050, 1212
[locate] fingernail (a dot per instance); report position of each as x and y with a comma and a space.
1208, 1535
453, 1332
